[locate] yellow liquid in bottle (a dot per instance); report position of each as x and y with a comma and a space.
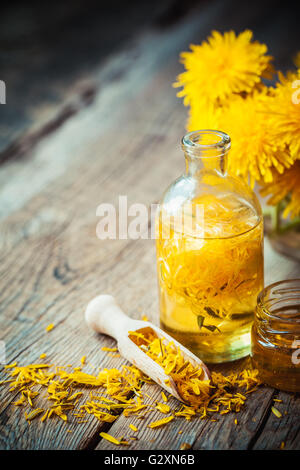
208, 285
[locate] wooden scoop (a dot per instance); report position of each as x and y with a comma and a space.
105, 316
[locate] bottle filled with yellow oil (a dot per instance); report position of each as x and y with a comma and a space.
209, 241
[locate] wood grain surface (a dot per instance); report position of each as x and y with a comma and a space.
123, 140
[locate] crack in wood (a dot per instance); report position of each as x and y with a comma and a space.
263, 421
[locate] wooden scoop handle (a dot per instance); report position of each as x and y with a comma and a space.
105, 316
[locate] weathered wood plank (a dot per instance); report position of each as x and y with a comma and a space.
55, 261
63, 44
284, 430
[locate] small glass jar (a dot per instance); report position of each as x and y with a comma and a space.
209, 245
276, 335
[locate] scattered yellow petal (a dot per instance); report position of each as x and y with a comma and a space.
134, 428
82, 360
185, 446
282, 445
45, 415
10, 366
110, 438
50, 327
276, 412
104, 348
163, 408
33, 414
43, 355
124, 387
161, 422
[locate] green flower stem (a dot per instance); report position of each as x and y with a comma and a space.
277, 220
271, 211
290, 225
274, 212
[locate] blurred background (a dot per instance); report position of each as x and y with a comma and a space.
51, 51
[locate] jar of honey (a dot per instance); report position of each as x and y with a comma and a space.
209, 240
276, 335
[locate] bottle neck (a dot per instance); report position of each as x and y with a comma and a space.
206, 150
195, 165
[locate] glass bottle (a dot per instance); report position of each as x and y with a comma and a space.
209, 243
276, 335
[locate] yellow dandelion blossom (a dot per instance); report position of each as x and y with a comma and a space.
221, 66
296, 59
254, 152
204, 115
284, 112
286, 185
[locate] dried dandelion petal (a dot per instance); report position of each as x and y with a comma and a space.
276, 412
34, 413
134, 428
163, 408
109, 438
123, 386
160, 422
188, 378
185, 446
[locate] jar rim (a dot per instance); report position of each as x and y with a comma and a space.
200, 143
276, 293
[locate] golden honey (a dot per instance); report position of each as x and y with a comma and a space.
276, 335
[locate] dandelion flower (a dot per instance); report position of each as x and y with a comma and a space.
204, 116
284, 112
221, 66
297, 59
254, 151
286, 185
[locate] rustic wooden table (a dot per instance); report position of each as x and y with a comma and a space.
115, 134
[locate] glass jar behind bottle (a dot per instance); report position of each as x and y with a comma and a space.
209, 240
275, 347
